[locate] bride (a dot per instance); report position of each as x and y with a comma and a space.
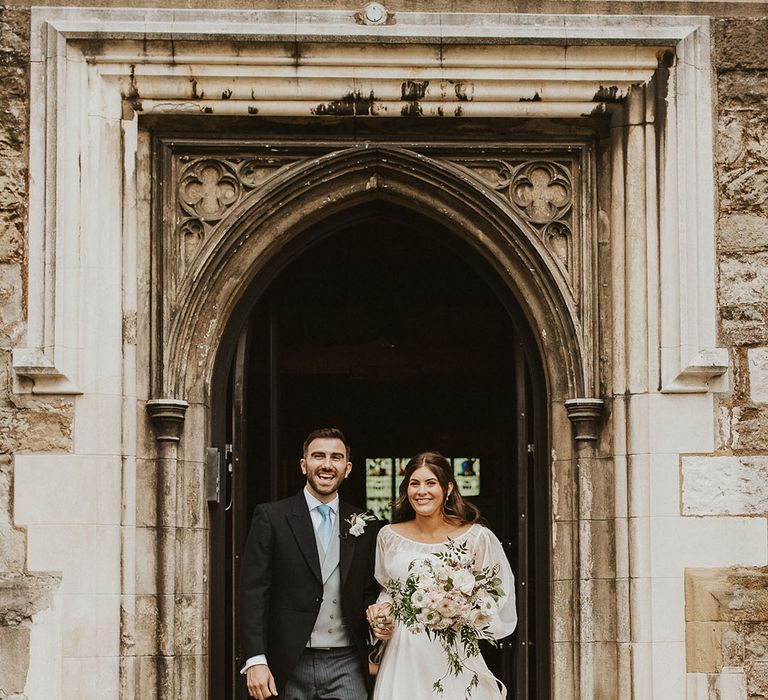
429, 511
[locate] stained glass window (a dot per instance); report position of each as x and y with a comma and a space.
383, 476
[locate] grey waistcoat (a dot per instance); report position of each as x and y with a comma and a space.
330, 627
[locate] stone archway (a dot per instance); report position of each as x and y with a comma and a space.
267, 227
273, 218
653, 221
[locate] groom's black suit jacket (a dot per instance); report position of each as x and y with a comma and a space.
281, 585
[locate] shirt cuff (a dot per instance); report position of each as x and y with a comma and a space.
260, 660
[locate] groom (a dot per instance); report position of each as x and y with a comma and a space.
306, 582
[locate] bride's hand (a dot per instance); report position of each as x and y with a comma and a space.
380, 619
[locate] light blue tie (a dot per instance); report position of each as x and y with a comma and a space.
326, 527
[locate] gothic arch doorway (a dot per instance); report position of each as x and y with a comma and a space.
388, 325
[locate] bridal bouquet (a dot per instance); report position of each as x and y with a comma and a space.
452, 602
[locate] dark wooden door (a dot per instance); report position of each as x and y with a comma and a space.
385, 331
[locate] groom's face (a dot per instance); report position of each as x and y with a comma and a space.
325, 465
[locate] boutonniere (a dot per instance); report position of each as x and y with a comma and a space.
358, 521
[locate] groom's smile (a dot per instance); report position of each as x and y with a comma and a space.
325, 465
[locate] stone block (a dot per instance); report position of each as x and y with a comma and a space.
562, 431
741, 137
757, 680
14, 652
725, 485
596, 495
740, 43
88, 556
190, 672
730, 684
11, 310
105, 411
598, 536
733, 648
67, 489
754, 636
12, 540
563, 546
669, 656
146, 492
92, 678
676, 543
599, 597
563, 671
758, 374
604, 655
564, 489
744, 187
146, 677
191, 486
726, 628
12, 548
191, 550
744, 324
91, 625
564, 611
744, 278
704, 646
146, 560
14, 35
668, 595
665, 484
11, 237
40, 427
701, 603
190, 624
742, 88
729, 141
146, 627
742, 232
748, 427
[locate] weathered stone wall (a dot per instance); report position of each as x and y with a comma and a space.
741, 62
26, 423
726, 613
726, 621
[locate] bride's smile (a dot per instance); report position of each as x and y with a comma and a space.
425, 493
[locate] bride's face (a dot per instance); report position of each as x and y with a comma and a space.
425, 494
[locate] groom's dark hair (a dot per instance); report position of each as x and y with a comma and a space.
326, 433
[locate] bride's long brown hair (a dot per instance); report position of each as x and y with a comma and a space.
455, 508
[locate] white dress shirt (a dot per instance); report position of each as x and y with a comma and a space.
314, 513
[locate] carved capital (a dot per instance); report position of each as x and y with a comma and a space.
585, 415
167, 417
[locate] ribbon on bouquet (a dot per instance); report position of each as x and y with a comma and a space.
375, 655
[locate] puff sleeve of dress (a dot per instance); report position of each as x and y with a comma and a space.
383, 543
489, 552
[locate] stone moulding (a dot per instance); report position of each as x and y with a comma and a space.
585, 415
168, 417
105, 64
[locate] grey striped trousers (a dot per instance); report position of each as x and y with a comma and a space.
327, 674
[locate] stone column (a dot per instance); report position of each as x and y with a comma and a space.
168, 420
595, 577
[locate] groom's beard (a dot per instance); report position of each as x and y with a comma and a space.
325, 487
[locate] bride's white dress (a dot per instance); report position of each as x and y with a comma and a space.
413, 662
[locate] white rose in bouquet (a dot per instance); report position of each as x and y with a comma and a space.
464, 581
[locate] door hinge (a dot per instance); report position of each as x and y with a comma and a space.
530, 447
